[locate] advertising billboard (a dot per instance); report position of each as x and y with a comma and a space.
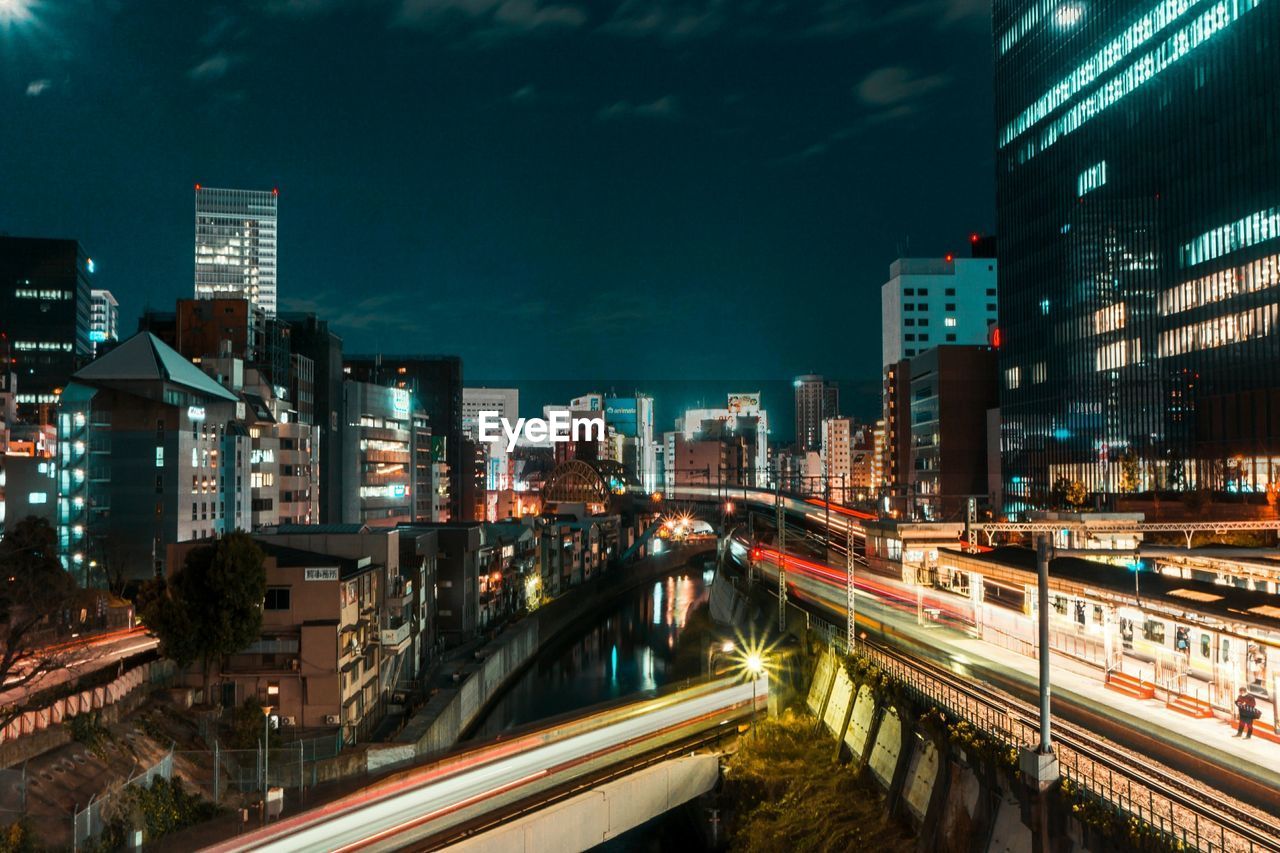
744, 404
621, 414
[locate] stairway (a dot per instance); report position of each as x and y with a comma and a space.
1130, 685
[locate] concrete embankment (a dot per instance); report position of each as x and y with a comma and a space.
447, 716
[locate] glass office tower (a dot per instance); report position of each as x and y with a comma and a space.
1138, 197
236, 245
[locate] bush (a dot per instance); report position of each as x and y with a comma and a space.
159, 810
18, 837
787, 792
88, 730
246, 727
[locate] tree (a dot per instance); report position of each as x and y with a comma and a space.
212, 606
1076, 494
34, 590
1130, 473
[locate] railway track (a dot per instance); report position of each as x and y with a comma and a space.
1191, 812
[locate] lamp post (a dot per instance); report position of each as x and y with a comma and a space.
755, 668
266, 759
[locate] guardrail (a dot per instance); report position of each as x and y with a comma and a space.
1193, 814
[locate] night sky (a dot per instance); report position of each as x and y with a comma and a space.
559, 189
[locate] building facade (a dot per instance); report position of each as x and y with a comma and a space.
929, 302
104, 319
235, 245
816, 400
150, 452
1138, 202
45, 310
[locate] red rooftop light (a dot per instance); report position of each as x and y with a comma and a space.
950, 257
197, 188
973, 238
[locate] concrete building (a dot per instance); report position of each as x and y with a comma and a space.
436, 385
743, 416
311, 338
236, 251
104, 319
151, 452
630, 420
929, 302
379, 471
45, 309
816, 399
837, 458
938, 404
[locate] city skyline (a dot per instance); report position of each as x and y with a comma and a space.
788, 145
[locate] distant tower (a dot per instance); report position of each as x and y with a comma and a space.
104, 319
235, 250
816, 399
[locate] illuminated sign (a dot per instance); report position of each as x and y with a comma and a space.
320, 574
744, 404
195, 413
400, 401
97, 336
622, 414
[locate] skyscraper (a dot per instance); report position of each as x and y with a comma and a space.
235, 249
1138, 196
816, 399
44, 314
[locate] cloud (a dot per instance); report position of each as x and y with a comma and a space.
667, 107
492, 19
213, 68
299, 8
672, 20
36, 88
895, 85
526, 95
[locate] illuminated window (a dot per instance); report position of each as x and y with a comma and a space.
1091, 178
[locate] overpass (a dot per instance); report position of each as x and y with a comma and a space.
625, 752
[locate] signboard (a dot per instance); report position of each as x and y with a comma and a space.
320, 574
400, 401
621, 413
744, 404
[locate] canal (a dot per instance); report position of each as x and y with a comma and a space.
629, 648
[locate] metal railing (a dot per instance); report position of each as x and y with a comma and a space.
1130, 785
88, 823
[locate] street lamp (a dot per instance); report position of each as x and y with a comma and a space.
755, 667
266, 759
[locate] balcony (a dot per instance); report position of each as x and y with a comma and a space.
395, 638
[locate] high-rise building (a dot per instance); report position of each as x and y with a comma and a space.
816, 400
929, 302
311, 339
837, 456
235, 248
44, 314
505, 403
1138, 203
436, 384
104, 318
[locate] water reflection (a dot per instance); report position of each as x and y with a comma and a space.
630, 648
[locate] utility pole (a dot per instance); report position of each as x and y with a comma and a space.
1040, 766
782, 560
851, 632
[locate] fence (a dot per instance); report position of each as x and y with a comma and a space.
90, 699
289, 765
1147, 795
89, 822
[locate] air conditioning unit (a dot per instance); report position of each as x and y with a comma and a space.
332, 720
289, 722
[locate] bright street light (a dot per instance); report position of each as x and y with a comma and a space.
754, 664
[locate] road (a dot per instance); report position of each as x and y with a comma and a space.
424, 802
78, 658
